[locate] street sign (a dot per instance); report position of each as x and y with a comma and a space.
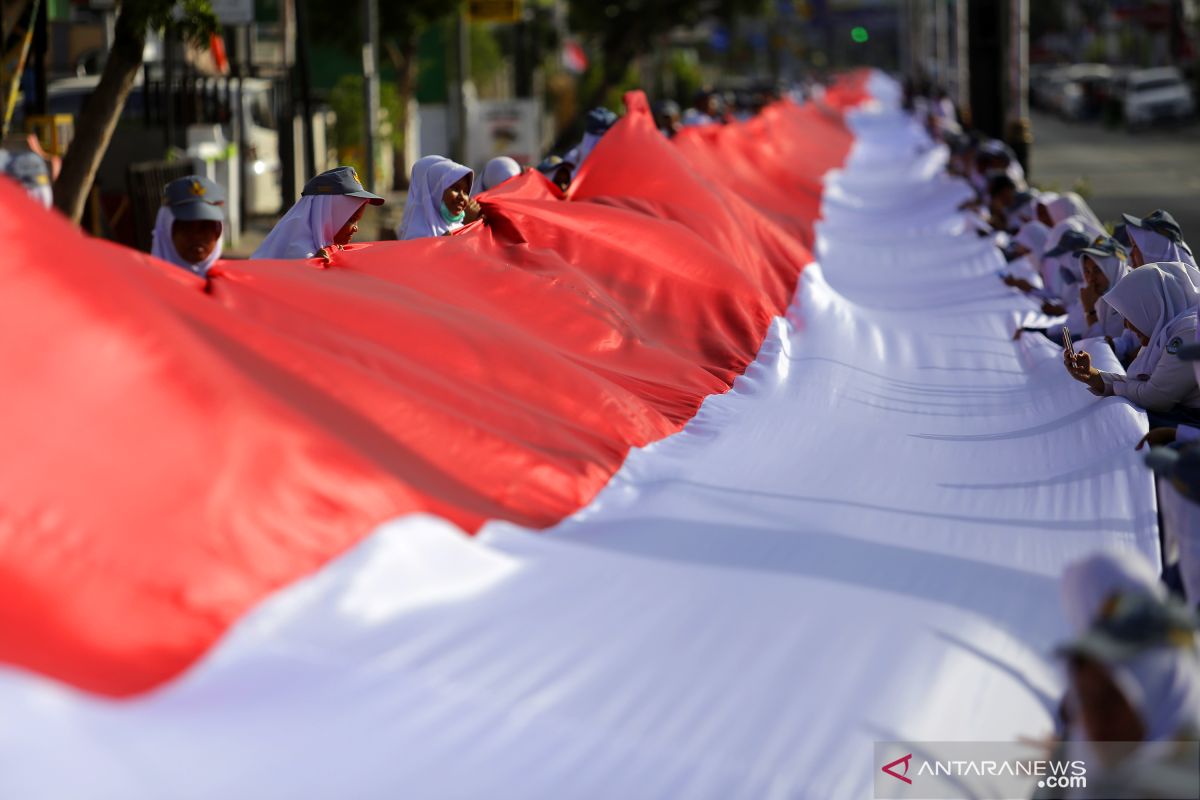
234, 12
494, 10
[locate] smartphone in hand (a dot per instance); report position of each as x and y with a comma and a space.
1067, 345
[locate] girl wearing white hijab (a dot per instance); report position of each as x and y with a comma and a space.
439, 199
1134, 677
1153, 245
1027, 248
1063, 206
596, 124
1090, 585
497, 171
190, 223
1158, 303
325, 217
1103, 266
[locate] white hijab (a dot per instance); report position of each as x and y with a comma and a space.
1152, 298
1163, 686
1032, 236
431, 177
1155, 247
308, 226
1072, 205
497, 171
164, 247
1049, 266
579, 153
1090, 583
1114, 269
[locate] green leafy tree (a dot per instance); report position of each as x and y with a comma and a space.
192, 20
400, 23
626, 29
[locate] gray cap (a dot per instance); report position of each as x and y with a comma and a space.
1070, 242
552, 164
1103, 247
30, 169
1180, 464
340, 180
194, 197
1132, 624
1160, 222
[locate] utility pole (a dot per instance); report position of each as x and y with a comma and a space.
986, 21
1019, 133
942, 28
461, 69
962, 61
370, 57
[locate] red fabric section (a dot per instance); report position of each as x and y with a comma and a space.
177, 454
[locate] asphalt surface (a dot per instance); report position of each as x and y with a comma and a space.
1126, 172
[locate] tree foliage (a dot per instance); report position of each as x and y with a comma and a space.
192, 20
626, 29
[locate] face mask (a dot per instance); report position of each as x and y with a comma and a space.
451, 218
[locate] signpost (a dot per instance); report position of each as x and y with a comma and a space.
494, 10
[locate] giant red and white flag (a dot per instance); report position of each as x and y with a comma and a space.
738, 515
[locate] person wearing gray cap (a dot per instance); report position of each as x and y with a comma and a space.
557, 171
190, 221
1103, 265
1134, 699
1159, 304
30, 170
1062, 276
1156, 238
324, 219
1175, 459
595, 125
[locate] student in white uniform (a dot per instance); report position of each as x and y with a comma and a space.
439, 199
1061, 273
190, 223
1157, 237
324, 219
1177, 468
1103, 265
30, 170
1158, 303
595, 125
557, 171
497, 171
1059, 207
1134, 679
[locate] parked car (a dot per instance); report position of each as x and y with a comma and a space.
1151, 95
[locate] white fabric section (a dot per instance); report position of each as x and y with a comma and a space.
308, 226
862, 540
163, 246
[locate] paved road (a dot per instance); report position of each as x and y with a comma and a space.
1133, 173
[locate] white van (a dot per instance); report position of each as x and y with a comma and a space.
1156, 94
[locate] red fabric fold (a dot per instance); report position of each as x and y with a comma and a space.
176, 454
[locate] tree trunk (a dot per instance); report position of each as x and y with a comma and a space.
95, 126
404, 61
